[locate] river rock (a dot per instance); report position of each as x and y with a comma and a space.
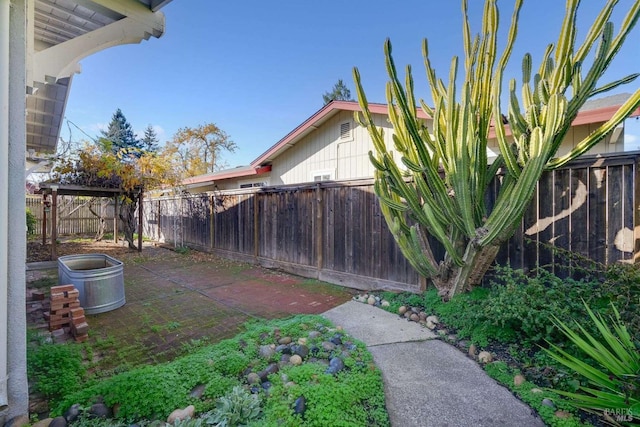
314, 335
295, 360
402, 310
371, 300
266, 351
284, 340
518, 380
328, 346
198, 391
336, 339
472, 350
43, 423
19, 421
58, 422
430, 325
181, 414
72, 413
100, 410
335, 365
300, 350
302, 341
485, 357
548, 402
414, 317
563, 414
283, 348
253, 378
384, 303
272, 368
433, 319
300, 405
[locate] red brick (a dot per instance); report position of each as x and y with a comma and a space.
62, 288
80, 329
77, 312
73, 294
81, 338
37, 295
78, 320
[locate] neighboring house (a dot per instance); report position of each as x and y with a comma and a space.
330, 145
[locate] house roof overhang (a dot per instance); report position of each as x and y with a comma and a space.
60, 34
315, 121
594, 111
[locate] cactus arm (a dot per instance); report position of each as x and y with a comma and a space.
583, 146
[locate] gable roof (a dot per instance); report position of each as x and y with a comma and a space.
593, 111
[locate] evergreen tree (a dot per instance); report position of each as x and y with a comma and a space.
119, 137
150, 140
340, 92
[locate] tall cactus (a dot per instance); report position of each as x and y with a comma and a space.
439, 186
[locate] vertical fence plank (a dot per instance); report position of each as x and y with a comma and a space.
615, 213
597, 214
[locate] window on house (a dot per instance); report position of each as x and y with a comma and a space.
345, 131
253, 184
318, 176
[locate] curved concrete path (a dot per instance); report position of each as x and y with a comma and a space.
428, 382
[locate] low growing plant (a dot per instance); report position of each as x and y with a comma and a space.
234, 409
612, 386
55, 369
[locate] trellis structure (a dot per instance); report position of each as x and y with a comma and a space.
54, 190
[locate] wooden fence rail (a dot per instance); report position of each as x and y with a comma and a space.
74, 216
335, 231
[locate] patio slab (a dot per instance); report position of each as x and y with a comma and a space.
174, 299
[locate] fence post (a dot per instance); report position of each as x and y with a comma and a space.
212, 222
44, 219
636, 210
319, 227
115, 219
54, 225
256, 234
140, 211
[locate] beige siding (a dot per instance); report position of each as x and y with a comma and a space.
322, 151
613, 143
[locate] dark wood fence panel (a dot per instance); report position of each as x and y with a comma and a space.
74, 215
336, 231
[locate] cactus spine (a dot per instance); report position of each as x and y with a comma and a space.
418, 203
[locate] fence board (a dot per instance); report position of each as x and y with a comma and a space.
584, 207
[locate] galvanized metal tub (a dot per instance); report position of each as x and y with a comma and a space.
99, 279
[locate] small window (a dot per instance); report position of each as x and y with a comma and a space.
322, 175
345, 131
253, 184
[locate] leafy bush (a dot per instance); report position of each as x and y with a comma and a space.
614, 374
237, 408
55, 370
31, 223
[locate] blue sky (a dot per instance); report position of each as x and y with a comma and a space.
258, 69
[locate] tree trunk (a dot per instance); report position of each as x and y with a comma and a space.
127, 216
453, 279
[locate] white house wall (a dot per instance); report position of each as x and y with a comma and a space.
322, 151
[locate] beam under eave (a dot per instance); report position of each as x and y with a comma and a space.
63, 59
130, 8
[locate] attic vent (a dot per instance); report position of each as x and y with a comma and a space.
345, 131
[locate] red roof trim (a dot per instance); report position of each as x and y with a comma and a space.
226, 175
326, 111
599, 115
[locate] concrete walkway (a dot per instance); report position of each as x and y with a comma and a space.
428, 382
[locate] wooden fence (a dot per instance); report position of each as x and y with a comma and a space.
74, 215
335, 231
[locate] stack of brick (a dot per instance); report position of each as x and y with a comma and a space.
65, 314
